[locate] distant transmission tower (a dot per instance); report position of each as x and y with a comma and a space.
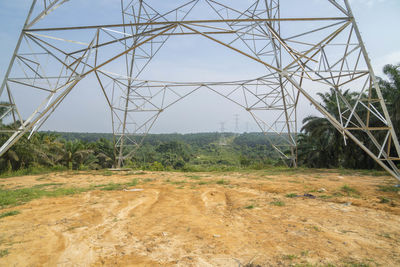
236, 123
302, 54
222, 140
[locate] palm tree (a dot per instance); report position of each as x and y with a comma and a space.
321, 145
74, 154
3, 109
391, 93
103, 152
321, 141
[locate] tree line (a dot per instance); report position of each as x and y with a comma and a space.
201, 151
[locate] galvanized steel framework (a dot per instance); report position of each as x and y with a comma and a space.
325, 52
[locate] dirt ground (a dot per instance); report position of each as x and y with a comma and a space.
205, 219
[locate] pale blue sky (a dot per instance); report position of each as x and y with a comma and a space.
378, 20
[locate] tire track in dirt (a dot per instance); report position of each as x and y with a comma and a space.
104, 235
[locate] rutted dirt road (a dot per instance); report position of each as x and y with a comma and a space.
206, 219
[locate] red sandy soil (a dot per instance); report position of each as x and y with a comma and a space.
182, 219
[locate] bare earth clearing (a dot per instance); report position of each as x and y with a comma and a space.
205, 219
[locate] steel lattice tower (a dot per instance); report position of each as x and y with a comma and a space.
324, 52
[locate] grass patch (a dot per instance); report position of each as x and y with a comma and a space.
117, 186
388, 188
107, 173
193, 177
350, 191
42, 178
385, 235
134, 182
278, 203
291, 195
222, 182
338, 194
4, 252
250, 207
147, 180
112, 187
177, 182
33, 171
46, 185
9, 213
325, 196
372, 173
289, 257
384, 200
307, 264
316, 228
304, 253
20, 196
139, 173
287, 171
356, 264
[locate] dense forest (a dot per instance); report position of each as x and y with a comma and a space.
320, 145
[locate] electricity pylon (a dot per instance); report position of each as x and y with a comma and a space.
302, 55
236, 123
